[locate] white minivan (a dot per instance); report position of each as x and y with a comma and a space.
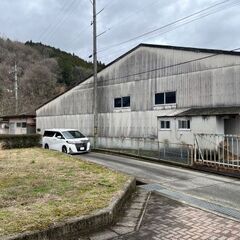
65, 140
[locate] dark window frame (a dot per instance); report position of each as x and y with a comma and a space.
116, 102
162, 98
165, 124
125, 102
159, 98
169, 98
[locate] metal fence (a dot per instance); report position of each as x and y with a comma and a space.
150, 148
217, 150
210, 150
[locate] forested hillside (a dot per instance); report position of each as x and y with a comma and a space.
43, 72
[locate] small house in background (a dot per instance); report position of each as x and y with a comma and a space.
18, 124
4, 127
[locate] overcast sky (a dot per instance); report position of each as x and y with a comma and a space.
65, 24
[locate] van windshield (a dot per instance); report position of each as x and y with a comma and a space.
72, 134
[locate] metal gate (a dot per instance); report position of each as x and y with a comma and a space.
217, 150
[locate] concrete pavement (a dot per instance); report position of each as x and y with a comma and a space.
213, 188
166, 218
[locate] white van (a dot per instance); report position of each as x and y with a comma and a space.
65, 140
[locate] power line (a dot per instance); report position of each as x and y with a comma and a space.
109, 4
82, 31
175, 74
175, 27
169, 66
44, 32
195, 19
69, 13
131, 15
53, 27
88, 26
165, 26
184, 23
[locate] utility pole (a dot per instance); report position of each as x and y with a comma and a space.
16, 86
15, 71
95, 108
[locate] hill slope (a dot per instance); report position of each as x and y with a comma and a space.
43, 72
72, 68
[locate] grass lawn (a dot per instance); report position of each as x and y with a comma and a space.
40, 187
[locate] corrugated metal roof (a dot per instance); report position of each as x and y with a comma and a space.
214, 111
171, 112
30, 114
191, 49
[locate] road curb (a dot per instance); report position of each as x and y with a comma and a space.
72, 228
142, 158
167, 163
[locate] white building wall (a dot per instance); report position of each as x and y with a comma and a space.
18, 130
207, 125
4, 128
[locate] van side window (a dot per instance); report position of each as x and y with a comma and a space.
48, 134
59, 135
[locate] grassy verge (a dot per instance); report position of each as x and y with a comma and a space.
40, 187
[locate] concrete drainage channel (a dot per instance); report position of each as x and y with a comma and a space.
195, 202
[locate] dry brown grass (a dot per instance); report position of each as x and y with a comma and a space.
40, 187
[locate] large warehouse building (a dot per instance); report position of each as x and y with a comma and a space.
154, 92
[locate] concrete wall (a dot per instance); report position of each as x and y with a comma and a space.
208, 125
211, 82
81, 121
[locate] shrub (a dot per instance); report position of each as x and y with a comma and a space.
9, 141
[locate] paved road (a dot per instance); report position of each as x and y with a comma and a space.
214, 188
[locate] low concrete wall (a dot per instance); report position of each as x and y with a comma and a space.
74, 227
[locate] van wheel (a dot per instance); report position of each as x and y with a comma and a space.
64, 149
46, 146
